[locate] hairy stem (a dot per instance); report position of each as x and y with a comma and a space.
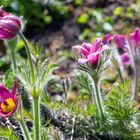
133, 56
24, 129
98, 98
36, 114
135, 83
13, 59
11, 46
22, 123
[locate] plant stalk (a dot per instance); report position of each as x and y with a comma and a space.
13, 59
98, 98
24, 129
36, 114
120, 74
11, 46
134, 55
135, 83
22, 123
29, 55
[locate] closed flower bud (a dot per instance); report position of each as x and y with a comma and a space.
10, 25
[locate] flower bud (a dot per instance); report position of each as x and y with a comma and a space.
10, 25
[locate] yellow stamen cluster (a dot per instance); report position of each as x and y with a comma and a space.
9, 106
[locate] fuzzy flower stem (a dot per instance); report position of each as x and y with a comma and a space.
36, 118
22, 124
11, 47
135, 83
133, 57
29, 55
24, 129
98, 97
13, 60
136, 74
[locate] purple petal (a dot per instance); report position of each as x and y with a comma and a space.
125, 59
6, 34
87, 46
96, 45
13, 93
82, 50
9, 25
120, 40
94, 59
4, 93
82, 61
107, 38
13, 18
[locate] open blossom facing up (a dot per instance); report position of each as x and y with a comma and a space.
10, 25
91, 52
8, 101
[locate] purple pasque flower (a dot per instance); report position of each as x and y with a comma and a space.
135, 37
120, 40
91, 52
10, 25
125, 59
8, 100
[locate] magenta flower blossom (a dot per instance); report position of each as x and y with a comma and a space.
91, 52
10, 25
8, 101
135, 37
125, 59
120, 40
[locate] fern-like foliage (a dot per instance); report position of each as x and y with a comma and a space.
120, 113
118, 105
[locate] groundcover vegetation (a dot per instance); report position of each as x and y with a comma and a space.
69, 70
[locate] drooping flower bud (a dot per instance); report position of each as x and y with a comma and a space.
10, 25
8, 101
